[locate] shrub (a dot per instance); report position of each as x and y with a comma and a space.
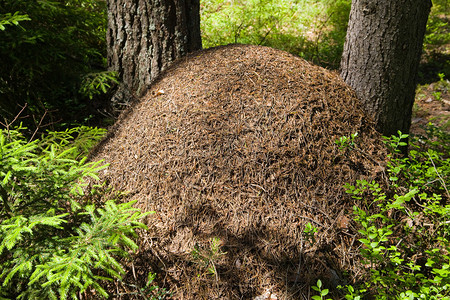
56, 238
405, 229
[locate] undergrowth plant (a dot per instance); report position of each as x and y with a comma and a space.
322, 292
207, 257
345, 142
98, 83
405, 227
58, 238
82, 139
309, 233
152, 291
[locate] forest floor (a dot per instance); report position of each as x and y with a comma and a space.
432, 102
432, 105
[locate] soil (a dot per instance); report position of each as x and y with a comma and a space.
432, 105
235, 150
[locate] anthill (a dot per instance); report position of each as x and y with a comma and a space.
237, 143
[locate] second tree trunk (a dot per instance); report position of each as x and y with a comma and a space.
381, 58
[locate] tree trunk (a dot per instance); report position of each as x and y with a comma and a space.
145, 36
381, 58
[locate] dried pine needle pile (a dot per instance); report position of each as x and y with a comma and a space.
238, 143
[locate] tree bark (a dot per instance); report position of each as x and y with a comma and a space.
381, 58
145, 36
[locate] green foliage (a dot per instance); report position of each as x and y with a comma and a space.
436, 58
55, 241
309, 233
312, 29
81, 138
404, 229
152, 291
98, 83
437, 27
315, 30
322, 292
207, 258
351, 293
331, 32
45, 59
441, 87
9, 19
346, 142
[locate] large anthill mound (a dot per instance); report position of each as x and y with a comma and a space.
238, 143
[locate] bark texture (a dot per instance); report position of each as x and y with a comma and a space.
381, 58
145, 36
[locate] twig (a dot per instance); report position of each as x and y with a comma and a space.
442, 180
265, 36
6, 124
237, 32
312, 220
299, 260
39, 125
